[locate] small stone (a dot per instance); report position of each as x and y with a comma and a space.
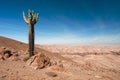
1, 51
23, 66
7, 69
51, 74
26, 58
6, 56
0, 56
3, 76
15, 58
98, 76
2, 59
16, 55
61, 65
11, 73
17, 72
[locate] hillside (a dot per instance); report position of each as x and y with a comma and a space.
7, 42
10, 43
60, 62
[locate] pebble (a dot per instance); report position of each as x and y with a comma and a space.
97, 76
51, 74
7, 69
3, 76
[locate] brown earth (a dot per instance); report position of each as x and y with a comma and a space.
59, 62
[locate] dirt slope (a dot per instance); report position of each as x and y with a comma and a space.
7, 42
73, 64
10, 43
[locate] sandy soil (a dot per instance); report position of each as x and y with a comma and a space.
75, 63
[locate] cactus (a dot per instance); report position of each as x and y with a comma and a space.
31, 20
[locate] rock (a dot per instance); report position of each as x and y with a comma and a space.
11, 73
23, 67
14, 58
6, 56
7, 69
17, 72
7, 53
14, 51
51, 74
53, 63
3, 76
97, 76
16, 55
26, 51
39, 61
1, 51
59, 68
26, 58
61, 65
1, 58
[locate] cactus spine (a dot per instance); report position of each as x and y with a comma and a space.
31, 20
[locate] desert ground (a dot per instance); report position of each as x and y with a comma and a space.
59, 62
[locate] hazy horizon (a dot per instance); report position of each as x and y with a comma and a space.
70, 22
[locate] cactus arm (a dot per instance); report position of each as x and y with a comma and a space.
32, 17
32, 13
35, 18
29, 13
25, 19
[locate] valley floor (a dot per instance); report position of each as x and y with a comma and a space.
78, 66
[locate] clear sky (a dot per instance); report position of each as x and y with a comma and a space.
63, 21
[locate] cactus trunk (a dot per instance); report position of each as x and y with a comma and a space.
31, 40
31, 20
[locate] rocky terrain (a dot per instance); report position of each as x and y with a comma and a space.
58, 62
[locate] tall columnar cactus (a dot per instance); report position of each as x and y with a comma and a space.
31, 20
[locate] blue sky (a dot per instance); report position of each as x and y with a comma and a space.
70, 22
